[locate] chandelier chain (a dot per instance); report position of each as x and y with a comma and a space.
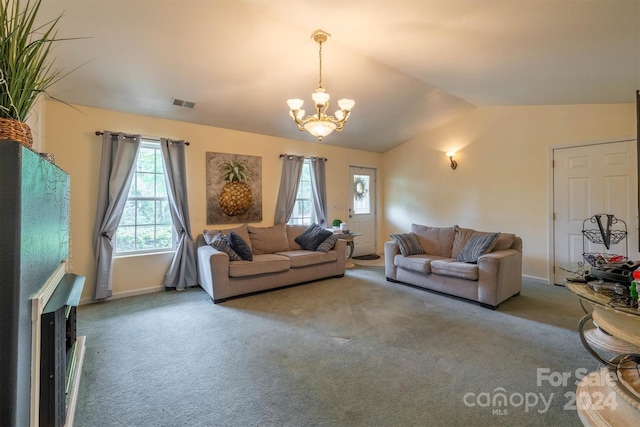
320, 74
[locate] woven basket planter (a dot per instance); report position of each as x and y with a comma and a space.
16, 130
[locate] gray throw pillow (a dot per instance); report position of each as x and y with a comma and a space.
475, 247
328, 243
408, 243
311, 238
240, 246
221, 243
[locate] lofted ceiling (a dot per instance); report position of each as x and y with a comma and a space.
410, 65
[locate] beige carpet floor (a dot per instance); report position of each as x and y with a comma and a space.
354, 351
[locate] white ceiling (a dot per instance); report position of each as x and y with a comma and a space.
410, 65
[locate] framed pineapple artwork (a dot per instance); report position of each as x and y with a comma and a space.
234, 188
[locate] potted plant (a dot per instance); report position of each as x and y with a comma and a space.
26, 66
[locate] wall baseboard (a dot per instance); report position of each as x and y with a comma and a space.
536, 280
127, 294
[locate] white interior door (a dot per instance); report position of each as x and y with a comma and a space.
590, 180
362, 209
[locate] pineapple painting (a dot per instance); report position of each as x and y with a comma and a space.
234, 188
235, 197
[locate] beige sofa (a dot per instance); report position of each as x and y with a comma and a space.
278, 261
495, 277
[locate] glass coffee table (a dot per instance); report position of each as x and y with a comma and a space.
618, 383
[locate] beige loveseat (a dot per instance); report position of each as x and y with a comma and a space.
495, 276
277, 261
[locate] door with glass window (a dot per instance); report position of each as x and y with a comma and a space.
362, 209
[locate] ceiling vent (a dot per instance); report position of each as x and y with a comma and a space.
183, 103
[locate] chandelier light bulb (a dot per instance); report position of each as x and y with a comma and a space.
346, 104
320, 97
295, 104
320, 124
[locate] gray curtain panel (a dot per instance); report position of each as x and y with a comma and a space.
182, 271
289, 180
319, 191
119, 153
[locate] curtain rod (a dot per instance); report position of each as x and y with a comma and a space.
304, 157
170, 140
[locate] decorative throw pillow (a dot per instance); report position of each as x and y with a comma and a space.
311, 238
475, 247
328, 243
208, 235
408, 243
240, 246
221, 243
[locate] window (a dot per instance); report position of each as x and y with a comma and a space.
303, 207
146, 224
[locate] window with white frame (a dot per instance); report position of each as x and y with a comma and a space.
146, 226
303, 207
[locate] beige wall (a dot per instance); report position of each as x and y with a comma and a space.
503, 180
70, 135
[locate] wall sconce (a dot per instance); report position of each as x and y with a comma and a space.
454, 164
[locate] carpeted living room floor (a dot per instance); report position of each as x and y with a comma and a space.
353, 351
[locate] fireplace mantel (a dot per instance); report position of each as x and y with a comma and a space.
34, 229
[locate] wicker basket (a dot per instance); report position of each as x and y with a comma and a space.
15, 130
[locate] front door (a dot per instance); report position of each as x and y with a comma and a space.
590, 180
362, 209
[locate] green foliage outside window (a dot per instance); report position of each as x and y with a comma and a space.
146, 221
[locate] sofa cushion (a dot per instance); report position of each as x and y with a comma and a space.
476, 246
240, 246
303, 258
221, 243
328, 243
419, 263
408, 243
462, 237
504, 241
261, 264
435, 240
294, 231
311, 238
268, 240
449, 267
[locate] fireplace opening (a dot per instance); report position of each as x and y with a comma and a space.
58, 351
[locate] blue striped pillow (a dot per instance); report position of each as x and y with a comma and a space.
408, 243
328, 243
475, 247
221, 243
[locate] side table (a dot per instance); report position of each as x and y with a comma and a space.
348, 238
611, 395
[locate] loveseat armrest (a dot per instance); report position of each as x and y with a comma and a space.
499, 276
213, 272
391, 249
341, 253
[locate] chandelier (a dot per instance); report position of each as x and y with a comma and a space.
319, 124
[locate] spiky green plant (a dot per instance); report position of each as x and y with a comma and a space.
26, 66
